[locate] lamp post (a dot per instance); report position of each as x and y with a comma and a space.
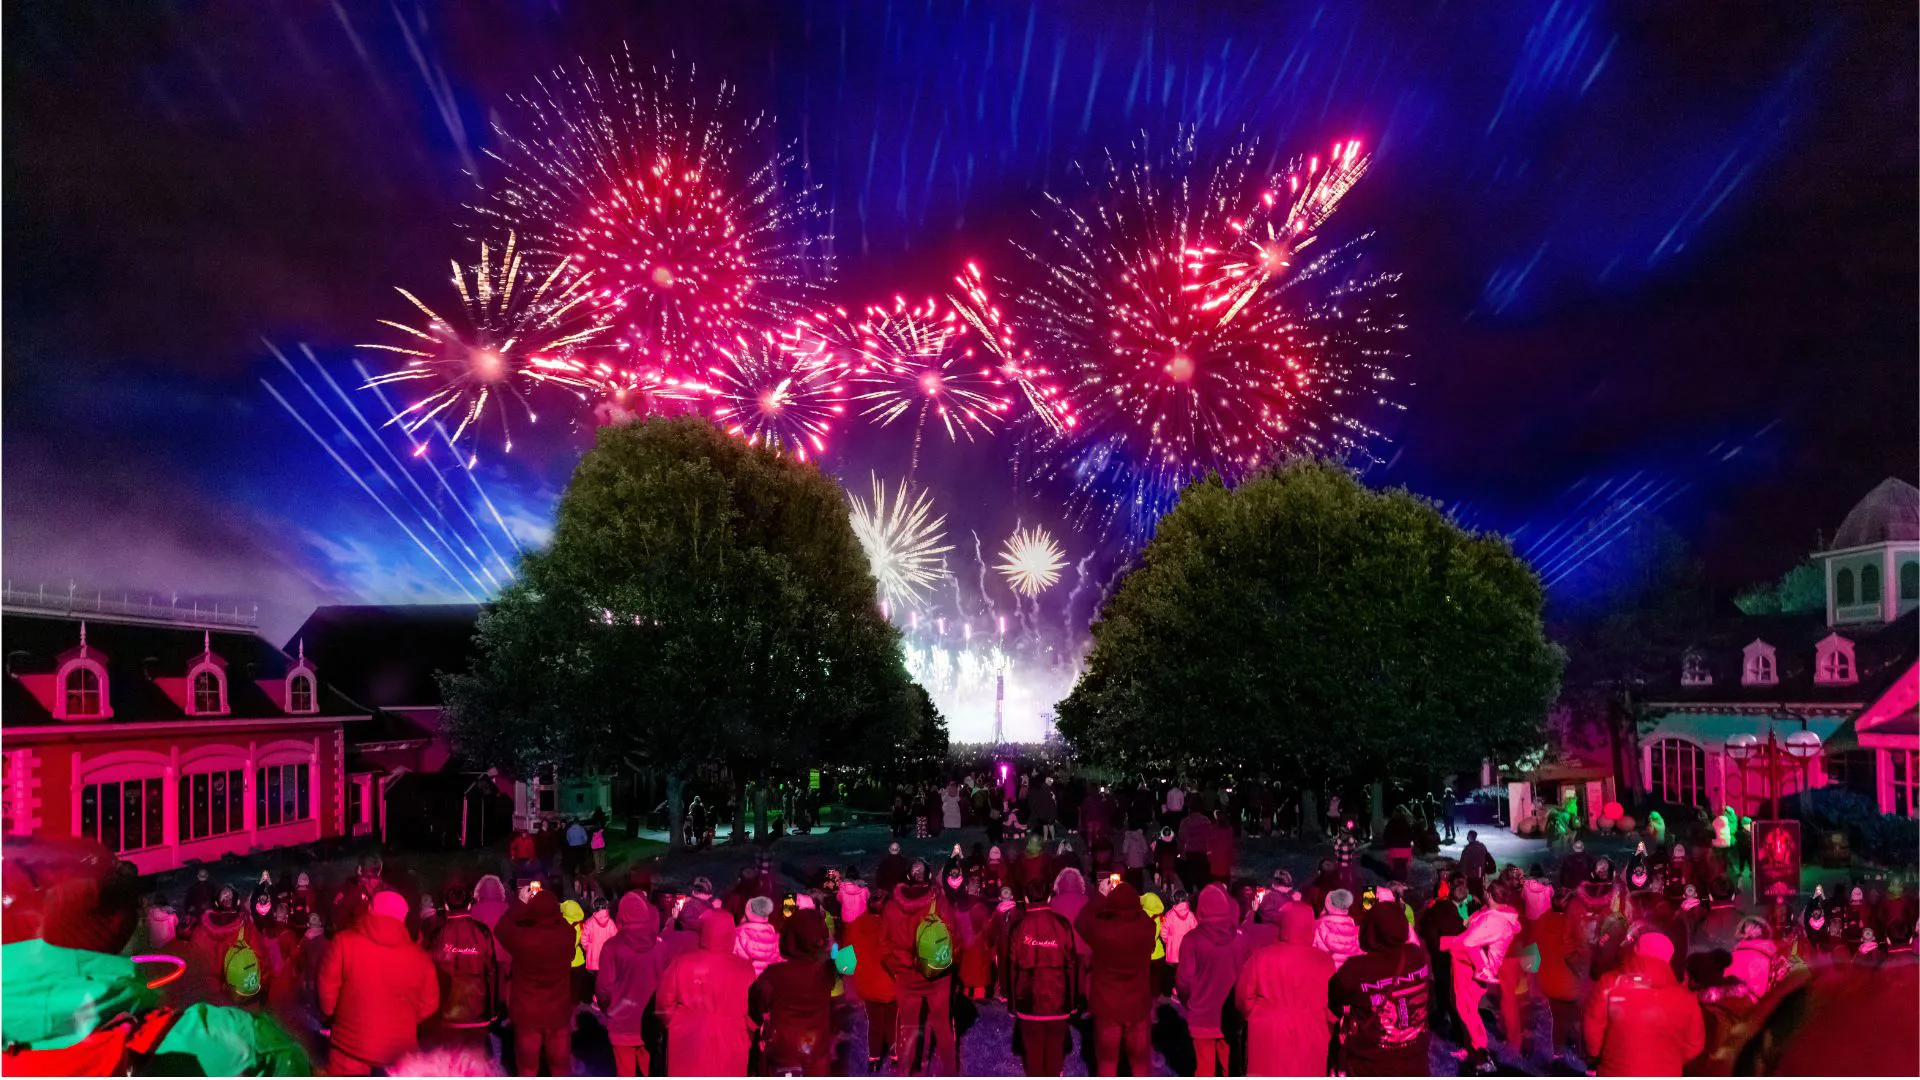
1799, 749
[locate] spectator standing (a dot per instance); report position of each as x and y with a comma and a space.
916, 918
540, 945
703, 1001
466, 958
630, 967
872, 979
1040, 976
793, 1000
1210, 964
1120, 939
1639, 1020
1383, 998
1283, 994
376, 988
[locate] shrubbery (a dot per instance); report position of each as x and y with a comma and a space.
1886, 839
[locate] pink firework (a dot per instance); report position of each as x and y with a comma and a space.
771, 394
973, 302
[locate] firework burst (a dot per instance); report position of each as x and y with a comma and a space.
1031, 561
777, 396
519, 329
904, 542
973, 302
1193, 335
683, 213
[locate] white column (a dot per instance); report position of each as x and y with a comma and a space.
249, 810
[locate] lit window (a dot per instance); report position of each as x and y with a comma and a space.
1843, 587
124, 815
212, 804
1870, 584
83, 692
207, 692
1677, 772
300, 694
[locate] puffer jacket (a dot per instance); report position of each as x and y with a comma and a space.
853, 901
575, 916
1639, 1021
1478, 953
379, 987
758, 943
1175, 925
594, 935
1155, 908
1337, 935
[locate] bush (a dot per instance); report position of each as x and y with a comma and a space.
1885, 839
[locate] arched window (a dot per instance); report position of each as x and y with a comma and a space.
1843, 587
1833, 661
82, 692
1757, 668
300, 694
1677, 772
1694, 671
1910, 581
1870, 584
208, 694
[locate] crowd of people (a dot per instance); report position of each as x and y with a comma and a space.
1651, 967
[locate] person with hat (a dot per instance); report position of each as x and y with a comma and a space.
1335, 932
623, 988
352, 897
1639, 1020
1120, 942
539, 944
792, 1000
924, 1035
1383, 998
755, 940
67, 989
1209, 969
376, 988
218, 933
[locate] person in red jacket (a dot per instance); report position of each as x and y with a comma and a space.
1040, 975
1639, 1020
872, 981
793, 999
1283, 994
924, 1035
1210, 959
376, 988
703, 1001
1119, 936
539, 944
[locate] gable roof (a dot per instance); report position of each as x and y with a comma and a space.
386, 656
1881, 654
1891, 511
137, 653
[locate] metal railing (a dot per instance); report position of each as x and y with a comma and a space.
70, 602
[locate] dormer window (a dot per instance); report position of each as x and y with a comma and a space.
1833, 662
82, 693
1694, 671
209, 696
300, 694
1757, 668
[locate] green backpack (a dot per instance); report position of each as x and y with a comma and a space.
933, 946
242, 968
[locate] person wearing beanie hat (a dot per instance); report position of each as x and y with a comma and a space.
1282, 991
924, 999
1336, 934
219, 930
376, 988
1639, 1020
1210, 962
756, 941
792, 1000
68, 914
1383, 998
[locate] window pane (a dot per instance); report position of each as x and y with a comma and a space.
236, 802
271, 798
132, 821
110, 816
90, 811
305, 803
156, 813
200, 820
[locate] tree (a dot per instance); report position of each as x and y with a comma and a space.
702, 601
1799, 590
1304, 624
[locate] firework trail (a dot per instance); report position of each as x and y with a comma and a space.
974, 303
1192, 335
776, 396
682, 211
1031, 561
1073, 595
903, 542
518, 330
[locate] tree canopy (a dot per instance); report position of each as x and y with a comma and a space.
702, 601
1305, 625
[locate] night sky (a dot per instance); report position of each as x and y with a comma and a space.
1662, 252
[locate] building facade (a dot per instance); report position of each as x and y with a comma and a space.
1846, 674
169, 736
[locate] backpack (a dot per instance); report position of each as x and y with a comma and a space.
242, 969
115, 1048
933, 946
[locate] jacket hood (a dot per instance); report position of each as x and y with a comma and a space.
490, 887
542, 908
56, 995
913, 899
384, 930
804, 936
853, 900
572, 910
1384, 927
1123, 903
1152, 904
222, 924
716, 932
1276, 904
639, 919
1296, 923
691, 912
601, 917
1219, 915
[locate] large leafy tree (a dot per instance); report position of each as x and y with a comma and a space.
702, 602
1304, 624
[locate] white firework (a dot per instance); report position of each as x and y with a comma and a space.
1031, 561
903, 541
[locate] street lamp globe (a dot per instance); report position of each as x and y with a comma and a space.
1803, 745
1742, 746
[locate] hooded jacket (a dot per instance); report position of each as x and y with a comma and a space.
1155, 908
1210, 963
599, 929
1479, 952
1639, 1021
1337, 935
1383, 997
853, 901
684, 935
1040, 970
1175, 925
207, 951
1283, 994
1134, 852
1069, 893
575, 916
630, 967
703, 1001
900, 925
1120, 939
379, 987
55, 996
1558, 981
871, 979
756, 941
793, 999
466, 957
540, 943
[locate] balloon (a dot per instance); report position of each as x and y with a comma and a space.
1613, 810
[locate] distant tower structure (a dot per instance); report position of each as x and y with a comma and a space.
999, 707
